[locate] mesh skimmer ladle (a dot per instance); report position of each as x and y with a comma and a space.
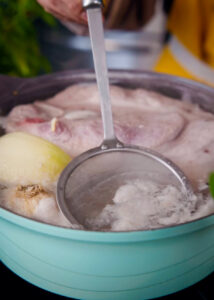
90, 181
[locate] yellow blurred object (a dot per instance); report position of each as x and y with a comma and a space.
190, 50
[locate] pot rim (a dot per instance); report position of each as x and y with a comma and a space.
106, 237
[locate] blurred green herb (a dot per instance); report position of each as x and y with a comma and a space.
211, 184
19, 48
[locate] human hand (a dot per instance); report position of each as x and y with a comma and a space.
66, 10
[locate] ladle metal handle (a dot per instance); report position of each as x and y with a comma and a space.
99, 55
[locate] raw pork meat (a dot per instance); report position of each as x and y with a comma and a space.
71, 119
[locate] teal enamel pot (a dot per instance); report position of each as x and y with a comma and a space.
106, 265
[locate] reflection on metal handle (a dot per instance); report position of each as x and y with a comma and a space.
92, 3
